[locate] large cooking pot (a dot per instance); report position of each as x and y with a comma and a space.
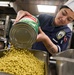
64, 62
42, 55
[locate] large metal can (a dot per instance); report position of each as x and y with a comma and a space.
23, 34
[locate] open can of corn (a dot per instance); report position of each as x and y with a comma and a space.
24, 33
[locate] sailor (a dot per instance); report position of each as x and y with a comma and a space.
54, 34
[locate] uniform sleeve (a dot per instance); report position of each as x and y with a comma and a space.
64, 42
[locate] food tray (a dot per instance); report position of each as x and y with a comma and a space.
64, 62
42, 55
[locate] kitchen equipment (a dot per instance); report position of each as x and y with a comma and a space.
64, 62
1, 32
42, 55
23, 34
3, 73
3, 42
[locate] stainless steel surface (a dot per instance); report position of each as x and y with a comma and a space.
65, 56
6, 25
42, 55
31, 5
65, 62
2, 73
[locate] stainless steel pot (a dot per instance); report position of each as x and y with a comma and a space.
64, 62
42, 55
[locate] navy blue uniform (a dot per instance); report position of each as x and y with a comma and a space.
59, 35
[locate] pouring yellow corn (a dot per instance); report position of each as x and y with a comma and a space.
21, 62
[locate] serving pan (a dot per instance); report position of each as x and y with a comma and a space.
64, 62
41, 55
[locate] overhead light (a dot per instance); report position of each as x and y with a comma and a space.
46, 8
4, 3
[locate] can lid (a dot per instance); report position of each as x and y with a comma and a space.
22, 35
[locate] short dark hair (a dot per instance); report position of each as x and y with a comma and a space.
65, 7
